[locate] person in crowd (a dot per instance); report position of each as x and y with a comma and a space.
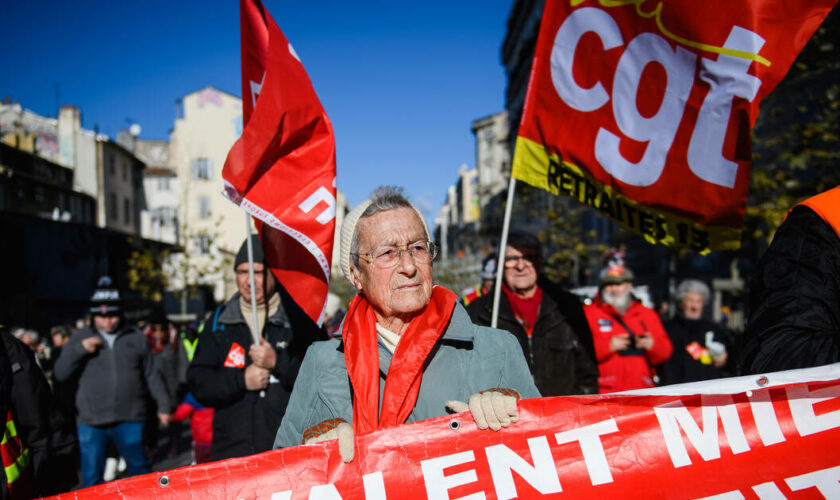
540, 315
65, 392
407, 348
59, 335
28, 337
794, 298
115, 371
488, 278
161, 336
187, 344
39, 448
23, 488
201, 425
700, 347
629, 337
249, 383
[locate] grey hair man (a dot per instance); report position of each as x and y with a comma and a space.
400, 329
692, 296
701, 347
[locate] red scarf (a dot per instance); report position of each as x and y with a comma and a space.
525, 310
406, 370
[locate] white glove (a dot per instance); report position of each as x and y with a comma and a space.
494, 408
716, 349
328, 430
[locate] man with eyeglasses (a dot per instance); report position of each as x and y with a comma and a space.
116, 372
247, 383
547, 320
406, 350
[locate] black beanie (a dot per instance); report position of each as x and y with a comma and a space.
242, 254
106, 298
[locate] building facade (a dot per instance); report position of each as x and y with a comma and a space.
159, 219
120, 195
212, 228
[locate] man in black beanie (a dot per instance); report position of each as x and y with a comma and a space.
247, 383
116, 372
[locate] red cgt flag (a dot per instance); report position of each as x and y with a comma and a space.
282, 169
643, 109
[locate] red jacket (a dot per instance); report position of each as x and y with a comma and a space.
622, 373
201, 419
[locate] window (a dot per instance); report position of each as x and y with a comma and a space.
39, 194
163, 183
202, 169
203, 244
166, 216
113, 210
203, 207
127, 211
112, 169
125, 171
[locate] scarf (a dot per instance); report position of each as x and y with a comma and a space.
159, 344
525, 310
402, 384
248, 315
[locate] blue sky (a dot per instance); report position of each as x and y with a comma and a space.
401, 81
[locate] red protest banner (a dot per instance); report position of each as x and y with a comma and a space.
282, 169
772, 436
643, 109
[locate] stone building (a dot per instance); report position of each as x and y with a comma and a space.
212, 228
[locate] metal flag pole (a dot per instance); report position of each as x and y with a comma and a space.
500, 263
255, 331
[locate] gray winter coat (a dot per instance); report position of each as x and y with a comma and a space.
470, 359
113, 383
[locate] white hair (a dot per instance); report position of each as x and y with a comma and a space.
693, 286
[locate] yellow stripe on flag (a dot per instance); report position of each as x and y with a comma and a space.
534, 165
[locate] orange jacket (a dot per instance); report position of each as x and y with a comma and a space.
827, 206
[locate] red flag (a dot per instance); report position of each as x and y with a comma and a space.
643, 109
282, 169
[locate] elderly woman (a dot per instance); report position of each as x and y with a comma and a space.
701, 348
406, 347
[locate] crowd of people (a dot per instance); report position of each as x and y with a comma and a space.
258, 373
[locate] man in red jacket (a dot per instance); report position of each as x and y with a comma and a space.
628, 337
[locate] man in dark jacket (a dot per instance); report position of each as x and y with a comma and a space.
548, 322
247, 383
700, 347
795, 292
45, 434
116, 371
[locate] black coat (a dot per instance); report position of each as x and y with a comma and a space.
794, 317
682, 366
244, 422
41, 425
5, 391
556, 352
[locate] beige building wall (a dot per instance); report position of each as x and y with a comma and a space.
213, 228
341, 210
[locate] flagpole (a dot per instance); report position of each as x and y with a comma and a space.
500, 263
255, 332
